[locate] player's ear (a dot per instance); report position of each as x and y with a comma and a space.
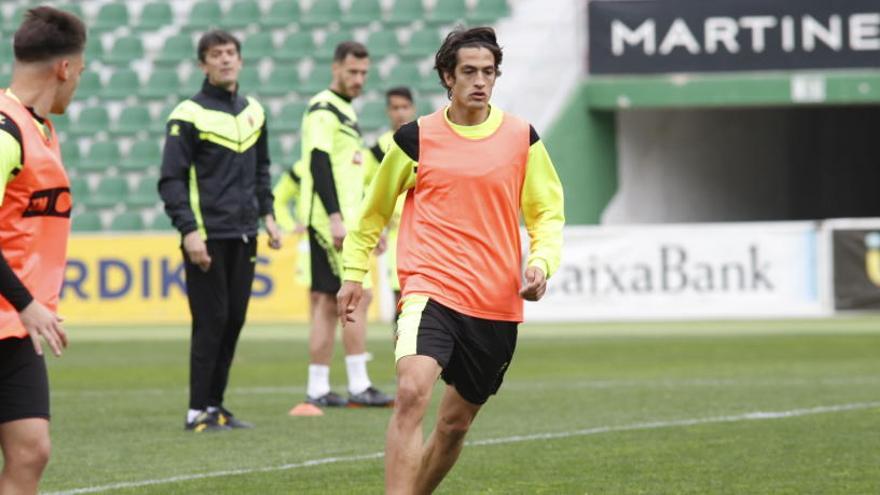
61, 67
449, 79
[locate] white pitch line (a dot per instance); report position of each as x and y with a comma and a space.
651, 425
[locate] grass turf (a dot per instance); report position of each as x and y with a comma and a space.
119, 397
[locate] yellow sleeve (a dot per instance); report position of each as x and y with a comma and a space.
543, 210
370, 166
10, 160
319, 128
286, 191
396, 174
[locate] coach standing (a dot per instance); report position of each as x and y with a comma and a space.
215, 185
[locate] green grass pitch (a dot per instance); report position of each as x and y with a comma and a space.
779, 407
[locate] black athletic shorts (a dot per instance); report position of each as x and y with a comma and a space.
325, 264
474, 353
24, 383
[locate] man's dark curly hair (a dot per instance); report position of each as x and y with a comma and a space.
447, 56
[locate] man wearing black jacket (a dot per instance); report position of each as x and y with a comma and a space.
216, 187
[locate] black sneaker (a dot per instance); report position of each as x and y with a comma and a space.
206, 421
330, 399
371, 397
225, 417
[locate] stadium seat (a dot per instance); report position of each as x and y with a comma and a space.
362, 12
403, 74
70, 154
429, 83
101, 156
112, 15
321, 14
446, 12
204, 15
11, 23
89, 85
61, 123
160, 223
90, 121
87, 221
241, 14
79, 189
318, 80
281, 14
157, 125
143, 156
146, 194
488, 11
425, 106
295, 47
257, 46
421, 44
154, 16
94, 49
324, 52
193, 83
132, 120
163, 82
123, 83
405, 12
278, 154
127, 221
382, 43
74, 9
111, 191
125, 50
289, 119
372, 115
176, 49
249, 81
282, 80
5, 75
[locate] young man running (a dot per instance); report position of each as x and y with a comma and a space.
469, 170
34, 227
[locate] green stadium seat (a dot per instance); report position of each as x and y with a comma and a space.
176, 48
132, 120
71, 157
162, 83
160, 223
403, 74
282, 80
405, 12
281, 14
79, 189
324, 52
204, 15
157, 125
249, 81
90, 121
155, 16
429, 84
125, 51
112, 15
143, 156
362, 12
289, 118
5, 76
61, 123
111, 191
11, 24
89, 85
321, 14
87, 221
241, 14
447, 12
146, 194
74, 9
372, 115
318, 80
94, 49
278, 154
101, 156
123, 83
488, 11
382, 43
295, 47
421, 44
7, 53
257, 46
425, 107
193, 83
127, 221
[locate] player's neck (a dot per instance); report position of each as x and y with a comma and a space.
33, 92
463, 115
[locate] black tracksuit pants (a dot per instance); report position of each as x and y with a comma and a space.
218, 301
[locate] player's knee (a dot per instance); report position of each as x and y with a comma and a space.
454, 426
412, 398
32, 458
